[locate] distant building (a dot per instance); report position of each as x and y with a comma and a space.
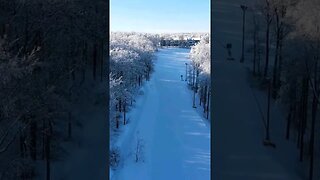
193, 41
180, 42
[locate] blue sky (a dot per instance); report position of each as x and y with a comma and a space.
155, 16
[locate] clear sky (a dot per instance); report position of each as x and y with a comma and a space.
156, 16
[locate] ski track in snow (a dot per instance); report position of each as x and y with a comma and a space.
177, 140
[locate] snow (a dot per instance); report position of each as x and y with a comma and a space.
176, 137
86, 156
238, 130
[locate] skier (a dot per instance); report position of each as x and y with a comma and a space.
181, 77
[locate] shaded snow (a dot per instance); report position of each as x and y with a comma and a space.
86, 152
239, 132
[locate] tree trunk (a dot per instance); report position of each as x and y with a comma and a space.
33, 141
268, 112
201, 95
267, 51
69, 125
124, 112
94, 66
194, 99
299, 124
304, 115
101, 61
275, 68
208, 103
205, 98
313, 120
314, 111
254, 44
117, 122
280, 62
43, 140
139, 79
22, 139
2, 30
120, 105
83, 66
26, 31
48, 137
289, 122
73, 70
254, 52
259, 57
194, 77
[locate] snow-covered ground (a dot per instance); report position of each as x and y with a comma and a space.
86, 153
176, 137
238, 130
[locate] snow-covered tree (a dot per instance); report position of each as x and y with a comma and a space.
201, 63
131, 59
47, 48
299, 68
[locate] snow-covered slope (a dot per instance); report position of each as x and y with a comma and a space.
238, 130
86, 153
176, 138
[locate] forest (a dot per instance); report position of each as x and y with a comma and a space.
52, 55
285, 47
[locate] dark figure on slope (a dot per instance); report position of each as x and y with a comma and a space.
181, 77
228, 47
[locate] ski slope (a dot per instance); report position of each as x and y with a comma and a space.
176, 137
238, 130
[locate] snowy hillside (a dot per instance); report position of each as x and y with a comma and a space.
273, 57
175, 137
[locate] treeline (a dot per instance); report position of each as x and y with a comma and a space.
199, 74
286, 53
181, 36
49, 51
131, 63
